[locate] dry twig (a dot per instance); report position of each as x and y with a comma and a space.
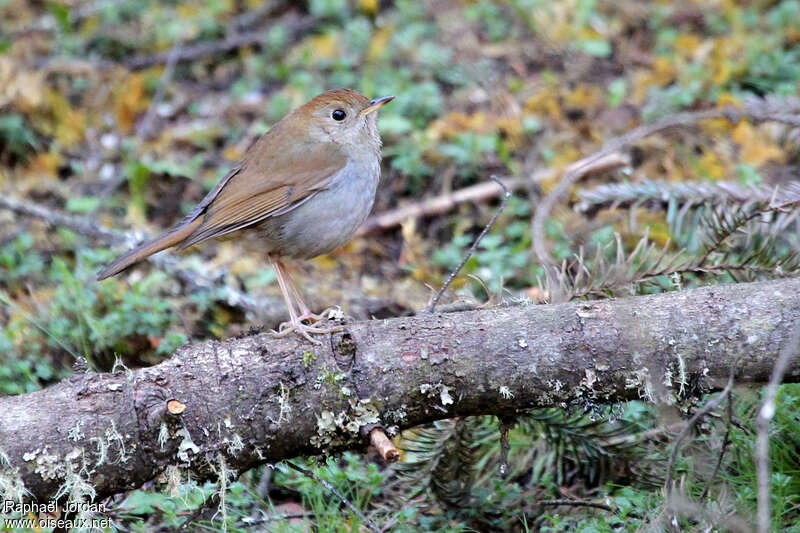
438, 204
308, 473
765, 416
725, 442
708, 407
472, 248
575, 503
295, 24
144, 130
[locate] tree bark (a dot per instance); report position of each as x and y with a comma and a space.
224, 407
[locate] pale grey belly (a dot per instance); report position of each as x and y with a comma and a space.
327, 220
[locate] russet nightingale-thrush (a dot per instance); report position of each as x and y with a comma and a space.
305, 186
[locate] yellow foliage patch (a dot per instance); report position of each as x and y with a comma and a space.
756, 147
711, 166
716, 126
544, 102
377, 45
564, 157
511, 127
65, 123
45, 163
22, 89
370, 7
233, 152
457, 122
687, 43
130, 100
326, 262
656, 224
662, 74
584, 95
324, 46
725, 61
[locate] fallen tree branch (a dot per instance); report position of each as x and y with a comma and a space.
256, 399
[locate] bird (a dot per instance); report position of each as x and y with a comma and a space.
304, 186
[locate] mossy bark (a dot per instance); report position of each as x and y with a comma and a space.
255, 399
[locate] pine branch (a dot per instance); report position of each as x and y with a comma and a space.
785, 111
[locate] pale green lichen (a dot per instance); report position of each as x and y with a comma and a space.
224, 476
186, 445
397, 415
284, 407
308, 358
48, 465
343, 427
75, 433
682, 378
12, 488
76, 487
174, 480
119, 366
236, 444
112, 435
163, 435
440, 389
641, 381
328, 376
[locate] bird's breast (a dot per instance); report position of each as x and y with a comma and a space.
330, 217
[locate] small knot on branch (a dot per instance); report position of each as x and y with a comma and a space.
175, 407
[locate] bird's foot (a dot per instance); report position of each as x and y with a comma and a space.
331, 313
304, 330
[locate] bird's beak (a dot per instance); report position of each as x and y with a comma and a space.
376, 104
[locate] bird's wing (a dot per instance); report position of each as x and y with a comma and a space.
266, 184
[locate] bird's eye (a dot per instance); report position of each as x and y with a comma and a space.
338, 115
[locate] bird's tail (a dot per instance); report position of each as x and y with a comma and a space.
162, 242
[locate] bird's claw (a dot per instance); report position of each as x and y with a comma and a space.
331, 313
304, 330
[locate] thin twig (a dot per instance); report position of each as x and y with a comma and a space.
308, 473
474, 193
295, 24
144, 130
575, 503
204, 506
472, 248
765, 416
271, 518
709, 406
725, 442
757, 112
438, 204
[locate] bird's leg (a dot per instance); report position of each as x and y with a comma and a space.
295, 323
305, 312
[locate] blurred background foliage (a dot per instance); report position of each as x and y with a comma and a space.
126, 112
